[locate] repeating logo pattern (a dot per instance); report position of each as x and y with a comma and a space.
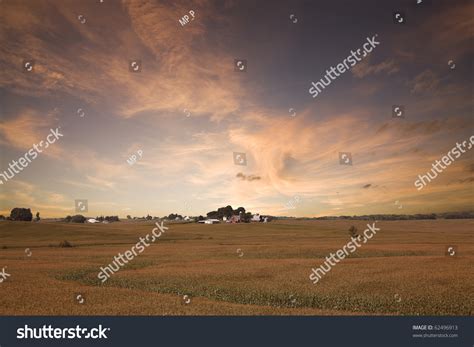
399, 17
398, 111
81, 205
240, 65
451, 251
28, 65
135, 65
345, 158
240, 158
79, 298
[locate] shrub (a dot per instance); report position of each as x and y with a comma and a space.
2, 217
67, 219
38, 217
21, 214
109, 219
65, 244
353, 231
78, 218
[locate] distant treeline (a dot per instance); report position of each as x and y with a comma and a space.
24, 214
419, 216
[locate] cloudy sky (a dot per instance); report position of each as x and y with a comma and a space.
188, 110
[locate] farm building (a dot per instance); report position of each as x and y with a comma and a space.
234, 219
210, 221
256, 218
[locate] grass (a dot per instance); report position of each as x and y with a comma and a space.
403, 270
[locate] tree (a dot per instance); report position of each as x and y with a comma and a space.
148, 217
78, 218
246, 217
21, 214
38, 216
212, 215
112, 219
173, 216
239, 210
129, 217
225, 212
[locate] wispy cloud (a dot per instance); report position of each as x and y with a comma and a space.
364, 68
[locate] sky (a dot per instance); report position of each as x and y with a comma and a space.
189, 109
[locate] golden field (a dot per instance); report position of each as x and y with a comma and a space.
402, 270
